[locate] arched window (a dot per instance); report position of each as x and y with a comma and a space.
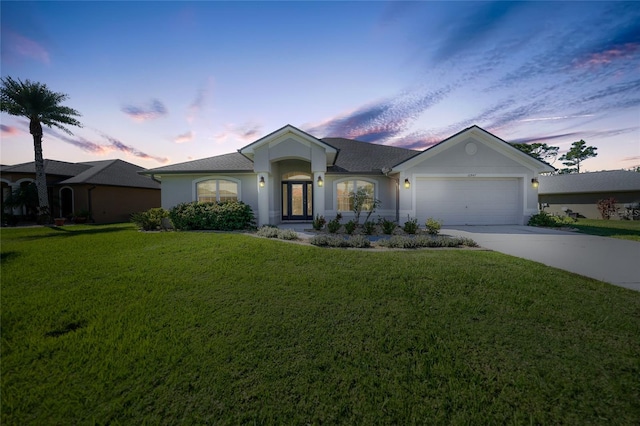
297, 176
216, 190
345, 188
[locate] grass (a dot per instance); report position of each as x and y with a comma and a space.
107, 325
623, 229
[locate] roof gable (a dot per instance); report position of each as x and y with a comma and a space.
484, 137
285, 133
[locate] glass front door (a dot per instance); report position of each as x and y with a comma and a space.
297, 200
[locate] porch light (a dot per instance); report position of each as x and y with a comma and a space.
407, 184
320, 181
261, 181
534, 182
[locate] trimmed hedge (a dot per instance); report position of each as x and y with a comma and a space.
151, 219
217, 216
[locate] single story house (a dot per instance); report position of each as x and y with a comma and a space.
472, 177
109, 190
579, 193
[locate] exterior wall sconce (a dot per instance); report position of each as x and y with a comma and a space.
261, 181
320, 181
534, 182
407, 184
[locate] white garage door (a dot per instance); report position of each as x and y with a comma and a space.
469, 201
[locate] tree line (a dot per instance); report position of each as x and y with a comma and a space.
572, 159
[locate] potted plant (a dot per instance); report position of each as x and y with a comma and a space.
81, 216
59, 221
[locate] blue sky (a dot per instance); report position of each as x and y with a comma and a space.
166, 82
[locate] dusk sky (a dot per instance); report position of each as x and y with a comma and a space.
166, 82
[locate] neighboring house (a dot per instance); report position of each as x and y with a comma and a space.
579, 193
473, 177
110, 190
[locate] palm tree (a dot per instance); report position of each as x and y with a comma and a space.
40, 105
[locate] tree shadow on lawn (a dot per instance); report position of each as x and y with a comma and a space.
8, 255
605, 232
66, 232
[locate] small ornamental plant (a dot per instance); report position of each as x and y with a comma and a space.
334, 224
411, 226
350, 226
433, 226
319, 222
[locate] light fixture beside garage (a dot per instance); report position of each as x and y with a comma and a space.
261, 181
407, 184
534, 182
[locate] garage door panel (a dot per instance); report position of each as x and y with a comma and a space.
477, 201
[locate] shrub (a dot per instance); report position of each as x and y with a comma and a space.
350, 226
324, 240
369, 227
607, 208
411, 226
222, 216
334, 224
287, 234
359, 241
270, 231
361, 200
150, 219
433, 226
267, 231
407, 242
319, 222
388, 226
546, 220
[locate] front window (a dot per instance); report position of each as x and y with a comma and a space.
344, 190
216, 190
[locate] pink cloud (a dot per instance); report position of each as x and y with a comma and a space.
246, 132
185, 137
19, 45
608, 56
8, 131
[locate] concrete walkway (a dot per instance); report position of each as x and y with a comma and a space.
606, 259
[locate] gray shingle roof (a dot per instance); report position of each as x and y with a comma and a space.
365, 157
608, 181
107, 172
114, 173
51, 167
353, 157
233, 162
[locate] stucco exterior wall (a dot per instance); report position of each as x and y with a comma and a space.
178, 189
470, 158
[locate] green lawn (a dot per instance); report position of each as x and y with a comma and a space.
623, 229
107, 325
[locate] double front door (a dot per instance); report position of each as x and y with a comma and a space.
297, 200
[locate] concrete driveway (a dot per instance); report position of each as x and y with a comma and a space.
606, 259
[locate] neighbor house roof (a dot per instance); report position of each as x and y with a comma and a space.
114, 173
51, 167
607, 181
106, 172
